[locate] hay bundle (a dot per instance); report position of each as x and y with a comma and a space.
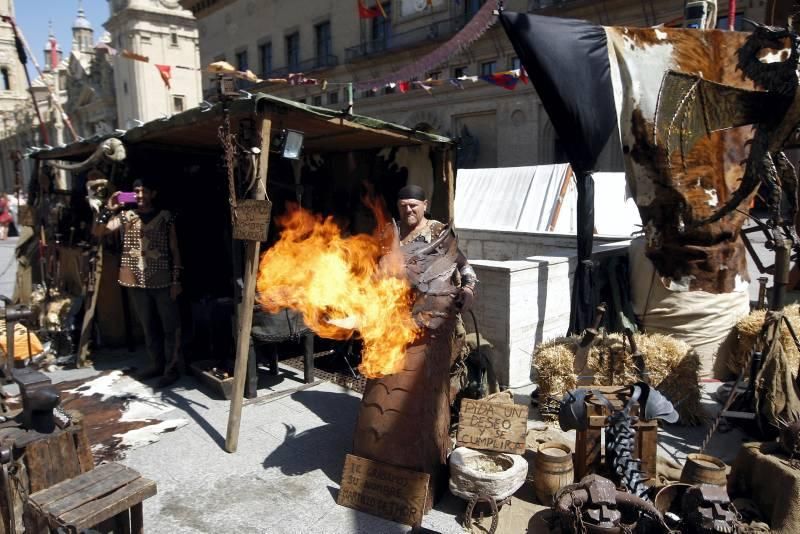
672, 364
552, 363
746, 332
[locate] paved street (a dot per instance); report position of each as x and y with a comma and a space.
285, 476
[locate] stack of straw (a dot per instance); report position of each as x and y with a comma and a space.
672, 364
745, 335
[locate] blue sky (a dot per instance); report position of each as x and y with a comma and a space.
33, 17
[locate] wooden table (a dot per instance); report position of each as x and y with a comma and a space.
109, 492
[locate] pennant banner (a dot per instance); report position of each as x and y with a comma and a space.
166, 74
136, 57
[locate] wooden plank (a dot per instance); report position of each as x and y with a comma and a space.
68, 487
383, 490
82, 448
62, 448
37, 462
492, 426
99, 510
92, 492
137, 519
599, 421
587, 452
246, 306
122, 522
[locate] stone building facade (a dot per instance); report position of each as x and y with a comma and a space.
166, 34
327, 40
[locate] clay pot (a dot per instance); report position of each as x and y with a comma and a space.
704, 469
554, 470
490, 474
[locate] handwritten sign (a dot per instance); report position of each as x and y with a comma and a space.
252, 220
383, 490
492, 426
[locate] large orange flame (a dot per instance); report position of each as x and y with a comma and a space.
340, 285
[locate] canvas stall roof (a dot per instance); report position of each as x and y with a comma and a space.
524, 199
325, 130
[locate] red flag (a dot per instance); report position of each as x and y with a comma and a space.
403, 86
367, 13
166, 74
53, 53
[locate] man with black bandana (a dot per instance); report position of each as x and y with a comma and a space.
150, 269
415, 231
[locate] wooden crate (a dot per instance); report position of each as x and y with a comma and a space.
588, 443
223, 387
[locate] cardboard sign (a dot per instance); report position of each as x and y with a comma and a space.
252, 220
492, 426
383, 490
25, 217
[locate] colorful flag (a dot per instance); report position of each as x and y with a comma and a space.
423, 86
166, 74
365, 12
523, 76
380, 8
502, 79
136, 57
456, 83
403, 86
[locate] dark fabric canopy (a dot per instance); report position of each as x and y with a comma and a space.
567, 62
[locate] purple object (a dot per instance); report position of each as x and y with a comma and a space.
127, 198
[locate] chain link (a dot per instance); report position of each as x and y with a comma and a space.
228, 141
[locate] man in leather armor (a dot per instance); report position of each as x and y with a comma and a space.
150, 270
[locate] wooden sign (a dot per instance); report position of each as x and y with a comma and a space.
492, 426
252, 220
383, 490
25, 216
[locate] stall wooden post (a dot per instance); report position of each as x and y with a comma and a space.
248, 299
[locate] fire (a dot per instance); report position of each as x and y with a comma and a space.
340, 285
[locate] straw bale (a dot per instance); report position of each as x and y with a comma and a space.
746, 332
672, 364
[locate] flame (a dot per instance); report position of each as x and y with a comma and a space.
341, 285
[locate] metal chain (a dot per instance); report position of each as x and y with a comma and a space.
228, 141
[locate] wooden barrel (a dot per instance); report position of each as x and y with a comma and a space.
704, 469
553, 470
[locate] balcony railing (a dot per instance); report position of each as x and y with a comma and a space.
310, 65
430, 32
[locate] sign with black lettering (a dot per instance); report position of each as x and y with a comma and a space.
492, 426
252, 220
383, 490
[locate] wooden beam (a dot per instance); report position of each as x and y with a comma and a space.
248, 299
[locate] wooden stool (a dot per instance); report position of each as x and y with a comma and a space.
587, 442
108, 491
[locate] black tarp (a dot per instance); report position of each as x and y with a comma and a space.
567, 62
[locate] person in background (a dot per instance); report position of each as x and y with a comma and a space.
150, 270
5, 216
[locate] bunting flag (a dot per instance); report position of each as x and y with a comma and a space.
523, 76
403, 87
166, 74
136, 57
506, 80
365, 12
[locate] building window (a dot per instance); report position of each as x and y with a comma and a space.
144, 38
515, 63
472, 6
173, 38
488, 68
178, 103
381, 28
459, 72
265, 57
333, 97
323, 42
293, 52
125, 87
241, 60
6, 79
317, 100
435, 75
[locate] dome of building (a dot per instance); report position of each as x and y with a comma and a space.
81, 22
